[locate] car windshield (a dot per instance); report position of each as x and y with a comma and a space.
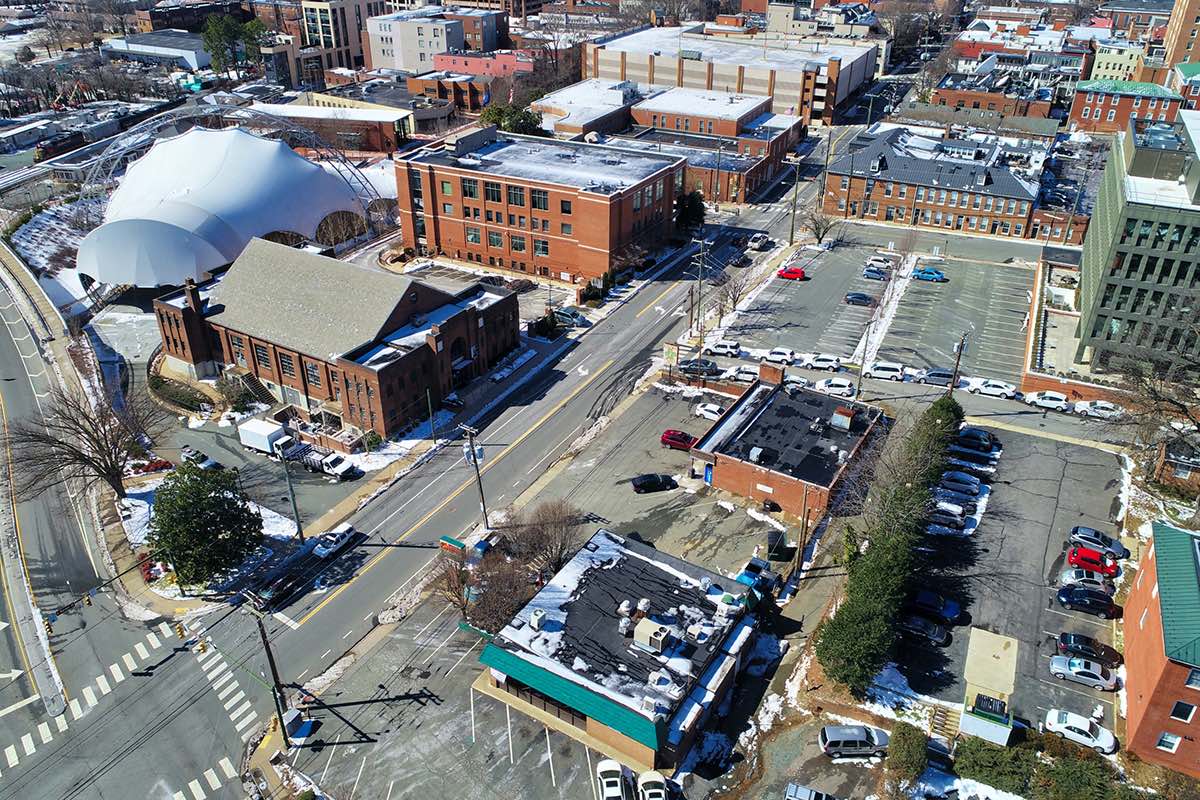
1093, 730
335, 461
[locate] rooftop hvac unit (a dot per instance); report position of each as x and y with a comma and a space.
650, 635
691, 55
535, 619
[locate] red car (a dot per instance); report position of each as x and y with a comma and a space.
1086, 558
791, 273
678, 440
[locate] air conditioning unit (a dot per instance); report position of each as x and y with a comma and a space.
651, 635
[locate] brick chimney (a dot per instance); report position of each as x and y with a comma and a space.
191, 294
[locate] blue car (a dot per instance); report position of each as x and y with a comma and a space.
1091, 601
874, 274
929, 274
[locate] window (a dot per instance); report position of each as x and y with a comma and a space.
491, 192
447, 208
539, 199
516, 197
472, 234
495, 239
1137, 102
637, 201
845, 182
1087, 113
541, 247
1181, 472
566, 229
1112, 114
287, 365
920, 192
1153, 103
261, 357
1168, 741
313, 373
1182, 711
470, 188
516, 243
565, 205
446, 190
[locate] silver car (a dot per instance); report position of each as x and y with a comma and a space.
1074, 576
1089, 673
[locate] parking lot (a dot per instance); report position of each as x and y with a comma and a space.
1006, 574
988, 301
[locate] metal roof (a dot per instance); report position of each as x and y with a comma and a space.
1138, 88
1177, 563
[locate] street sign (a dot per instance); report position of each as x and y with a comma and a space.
671, 352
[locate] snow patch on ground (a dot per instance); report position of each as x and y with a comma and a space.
394, 449
1126, 492
938, 783
890, 696
508, 367
754, 513
234, 417
868, 346
586, 438
725, 504
48, 244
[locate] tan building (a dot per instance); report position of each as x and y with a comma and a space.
1182, 31
334, 28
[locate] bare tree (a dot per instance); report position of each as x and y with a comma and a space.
549, 534
503, 587
76, 440
735, 288
819, 224
453, 582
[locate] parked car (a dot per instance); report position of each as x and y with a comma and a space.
741, 374
938, 376
885, 370
971, 490
792, 382
570, 317
1087, 600
944, 518
791, 273
759, 241
1055, 401
966, 502
859, 299
1087, 558
1077, 644
874, 273
278, 589
710, 411
1080, 670
521, 285
1095, 540
993, 388
677, 440
1076, 576
821, 361
1081, 730
934, 606
927, 629
881, 262
852, 740
701, 367
652, 785
962, 477
1101, 409
839, 387
929, 274
795, 791
722, 347
332, 541
191, 455
977, 439
780, 355
610, 779
652, 482
962, 455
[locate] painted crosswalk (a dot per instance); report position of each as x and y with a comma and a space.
224, 681
211, 780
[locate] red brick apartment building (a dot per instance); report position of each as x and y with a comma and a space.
497, 64
715, 113
1110, 106
570, 210
349, 348
467, 92
1162, 652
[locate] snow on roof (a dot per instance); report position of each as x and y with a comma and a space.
588, 100
704, 103
579, 637
298, 111
411, 336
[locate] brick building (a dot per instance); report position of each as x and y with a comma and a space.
351, 349
1137, 18
715, 113
1178, 464
1185, 79
900, 177
568, 209
186, 16
991, 91
951, 120
1162, 652
1110, 106
357, 129
496, 64
468, 93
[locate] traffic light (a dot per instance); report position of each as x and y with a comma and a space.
87, 599
202, 647
49, 625
179, 631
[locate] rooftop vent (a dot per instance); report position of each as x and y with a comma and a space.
624, 626
535, 619
625, 609
650, 635
643, 605
842, 418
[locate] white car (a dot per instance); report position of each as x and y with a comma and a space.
1101, 409
1080, 670
885, 370
724, 347
879, 261
1074, 576
1056, 401
332, 541
795, 382
821, 361
994, 389
709, 411
652, 786
610, 778
1081, 730
838, 387
759, 241
930, 260
780, 355
741, 374
823, 247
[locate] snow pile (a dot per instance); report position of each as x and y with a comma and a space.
392, 450
511, 364
1126, 488
890, 696
868, 347
234, 417
725, 504
586, 438
48, 244
939, 784
754, 513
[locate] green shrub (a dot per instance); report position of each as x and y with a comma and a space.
854, 644
178, 393
595, 302
908, 755
371, 440
1073, 778
1009, 769
1056, 746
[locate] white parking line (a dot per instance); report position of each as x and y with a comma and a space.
1081, 692
1081, 618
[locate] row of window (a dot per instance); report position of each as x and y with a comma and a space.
1143, 333
953, 199
1112, 100
541, 247
936, 218
1155, 269
686, 123
1117, 299
514, 220
1112, 115
539, 199
1159, 236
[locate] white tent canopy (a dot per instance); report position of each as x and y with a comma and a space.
193, 202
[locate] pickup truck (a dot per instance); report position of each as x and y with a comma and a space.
316, 459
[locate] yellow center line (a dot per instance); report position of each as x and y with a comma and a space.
453, 495
663, 294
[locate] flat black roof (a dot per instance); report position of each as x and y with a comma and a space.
790, 431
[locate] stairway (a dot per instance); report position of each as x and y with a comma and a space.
256, 388
945, 722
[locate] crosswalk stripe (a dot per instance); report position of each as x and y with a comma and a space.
221, 681
246, 720
153, 640
212, 779
102, 682
76, 709
205, 658
44, 732
118, 676
227, 768
234, 700
214, 669
166, 630
179, 796
10, 753
130, 664
242, 709
60, 722
27, 744
141, 650
221, 695
89, 696
197, 792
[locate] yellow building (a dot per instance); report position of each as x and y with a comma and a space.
1117, 60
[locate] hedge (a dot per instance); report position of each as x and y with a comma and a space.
1009, 769
908, 753
178, 393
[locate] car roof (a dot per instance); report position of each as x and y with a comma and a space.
894, 364
1088, 552
835, 731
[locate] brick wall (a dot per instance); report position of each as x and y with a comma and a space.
1166, 473
991, 101
1094, 114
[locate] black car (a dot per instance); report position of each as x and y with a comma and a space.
977, 439
1077, 644
938, 376
916, 625
521, 285
492, 280
652, 482
967, 503
859, 299
1091, 601
933, 605
985, 472
277, 589
974, 457
700, 366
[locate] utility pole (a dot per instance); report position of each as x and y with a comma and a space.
866, 346
277, 686
717, 193
958, 351
473, 456
287, 474
796, 197
700, 294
